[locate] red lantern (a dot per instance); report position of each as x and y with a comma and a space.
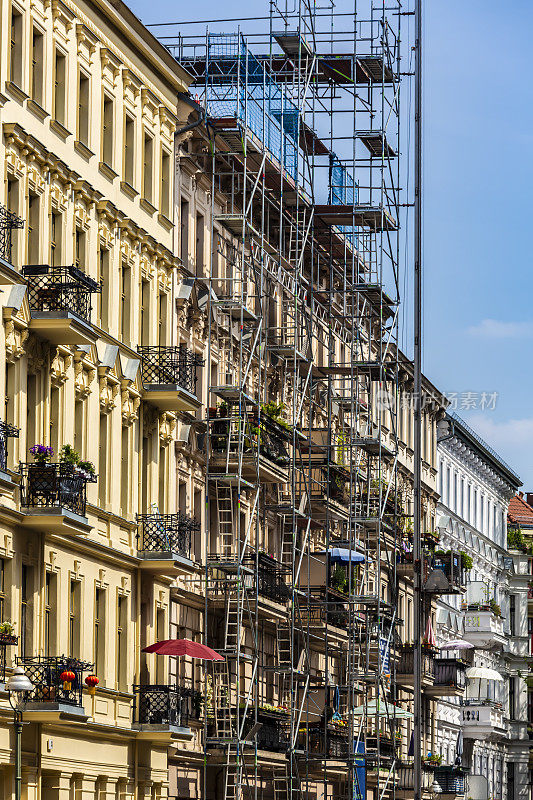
92, 682
67, 677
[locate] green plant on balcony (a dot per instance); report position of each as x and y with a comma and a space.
495, 608
466, 561
7, 628
274, 411
339, 581
516, 541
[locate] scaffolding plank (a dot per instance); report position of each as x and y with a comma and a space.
376, 143
375, 218
293, 43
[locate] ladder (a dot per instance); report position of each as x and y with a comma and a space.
224, 494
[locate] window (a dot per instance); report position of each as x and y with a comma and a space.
81, 243
125, 478
448, 498
80, 426
13, 205
129, 150
148, 167
56, 239
512, 614
50, 590
2, 589
60, 88
165, 183
145, 313
122, 641
125, 302
84, 93
99, 631
25, 610
103, 296
108, 130
199, 244
160, 635
102, 461
184, 248
74, 612
481, 512
37, 66
16, 47
162, 327
462, 498
34, 211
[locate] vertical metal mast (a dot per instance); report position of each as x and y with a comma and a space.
418, 600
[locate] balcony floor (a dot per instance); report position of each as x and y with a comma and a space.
62, 327
163, 733
170, 397
56, 519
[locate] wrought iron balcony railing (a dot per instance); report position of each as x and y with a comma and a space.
272, 735
165, 533
270, 577
59, 289
449, 672
8, 223
406, 661
166, 705
169, 366
54, 486
449, 780
48, 686
333, 743
6, 431
231, 430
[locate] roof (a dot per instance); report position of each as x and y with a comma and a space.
520, 512
473, 439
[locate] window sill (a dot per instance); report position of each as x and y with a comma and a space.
60, 129
83, 150
146, 204
108, 171
36, 109
16, 92
165, 222
128, 190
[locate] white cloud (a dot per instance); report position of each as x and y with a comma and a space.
496, 329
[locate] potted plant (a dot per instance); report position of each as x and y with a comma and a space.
338, 579
7, 633
41, 474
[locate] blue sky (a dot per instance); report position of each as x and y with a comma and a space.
478, 172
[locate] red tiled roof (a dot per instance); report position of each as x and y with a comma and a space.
519, 512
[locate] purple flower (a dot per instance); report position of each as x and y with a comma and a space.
42, 452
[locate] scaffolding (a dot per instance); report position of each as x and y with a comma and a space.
302, 143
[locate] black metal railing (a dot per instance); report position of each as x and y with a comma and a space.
406, 776
165, 533
331, 743
48, 686
8, 223
6, 431
54, 289
450, 564
166, 705
273, 735
449, 780
172, 365
53, 485
270, 577
6, 640
231, 430
449, 672
406, 661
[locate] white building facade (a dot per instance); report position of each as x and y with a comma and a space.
489, 722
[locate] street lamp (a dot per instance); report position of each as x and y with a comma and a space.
18, 687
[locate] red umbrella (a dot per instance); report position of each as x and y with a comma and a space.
183, 647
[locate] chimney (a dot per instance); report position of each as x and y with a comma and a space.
521, 495
529, 498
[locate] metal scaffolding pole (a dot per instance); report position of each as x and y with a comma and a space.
417, 330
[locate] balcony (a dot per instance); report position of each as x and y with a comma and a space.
330, 492
450, 678
54, 498
164, 543
406, 779
53, 698
328, 749
483, 719
405, 668
273, 733
270, 578
483, 627
8, 223
256, 445
7, 431
60, 303
328, 610
449, 780
451, 564
169, 377
163, 713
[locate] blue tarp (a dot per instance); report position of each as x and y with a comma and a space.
345, 556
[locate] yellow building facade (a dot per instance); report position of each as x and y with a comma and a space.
89, 367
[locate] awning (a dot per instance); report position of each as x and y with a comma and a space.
442, 521
483, 673
340, 554
383, 709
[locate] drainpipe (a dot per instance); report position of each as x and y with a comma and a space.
186, 98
